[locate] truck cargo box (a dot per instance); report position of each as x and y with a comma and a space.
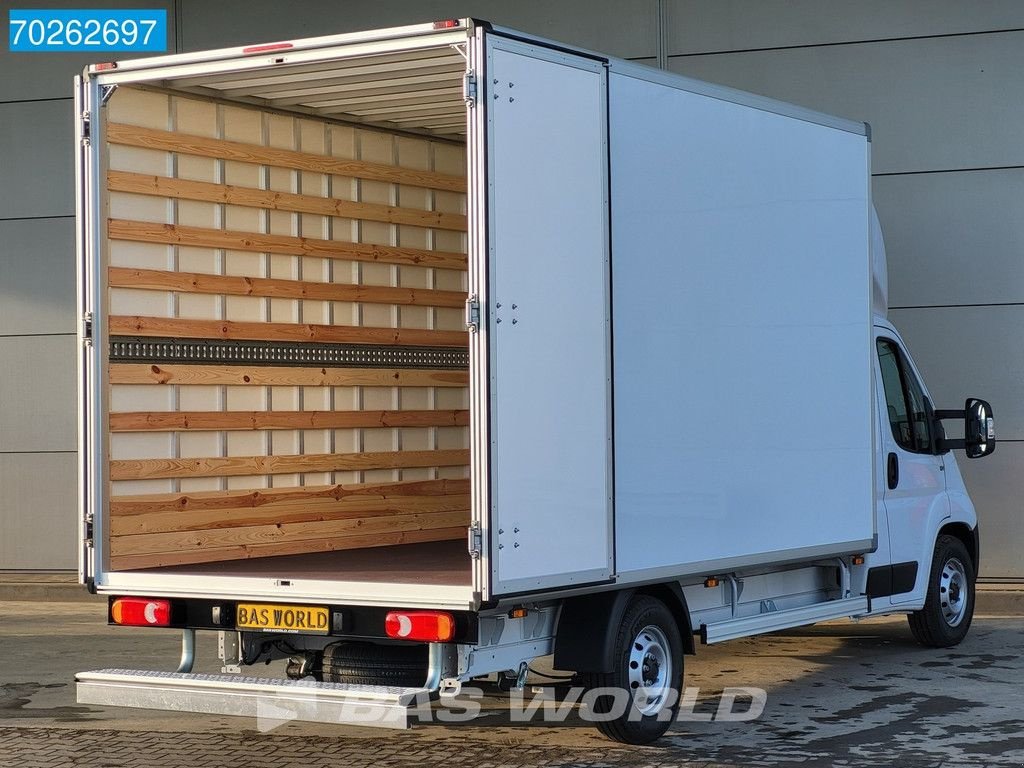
438, 315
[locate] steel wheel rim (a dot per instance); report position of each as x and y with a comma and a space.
650, 670
953, 592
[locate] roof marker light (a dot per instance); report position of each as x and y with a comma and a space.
268, 47
446, 24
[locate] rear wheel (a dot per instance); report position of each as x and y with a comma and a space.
949, 606
404, 666
642, 696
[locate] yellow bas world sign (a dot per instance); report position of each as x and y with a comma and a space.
282, 618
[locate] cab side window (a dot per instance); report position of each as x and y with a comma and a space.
905, 400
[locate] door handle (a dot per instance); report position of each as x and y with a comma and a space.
893, 472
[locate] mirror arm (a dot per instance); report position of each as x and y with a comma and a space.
938, 434
943, 443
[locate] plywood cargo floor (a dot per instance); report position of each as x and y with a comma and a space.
444, 563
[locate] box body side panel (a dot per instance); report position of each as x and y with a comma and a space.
741, 295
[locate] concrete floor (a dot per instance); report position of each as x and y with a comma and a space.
842, 693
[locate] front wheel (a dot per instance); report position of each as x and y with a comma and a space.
949, 606
640, 697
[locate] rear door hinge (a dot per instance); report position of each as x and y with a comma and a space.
87, 329
476, 540
89, 531
473, 313
106, 91
469, 89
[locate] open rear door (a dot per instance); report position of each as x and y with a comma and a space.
547, 318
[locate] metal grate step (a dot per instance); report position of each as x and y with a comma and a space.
266, 699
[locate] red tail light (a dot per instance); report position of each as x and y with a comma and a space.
141, 612
429, 626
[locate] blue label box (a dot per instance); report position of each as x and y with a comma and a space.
142, 30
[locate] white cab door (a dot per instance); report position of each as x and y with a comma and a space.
548, 318
914, 478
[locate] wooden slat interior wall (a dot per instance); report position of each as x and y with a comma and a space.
229, 222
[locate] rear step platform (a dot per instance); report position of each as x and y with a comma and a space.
266, 699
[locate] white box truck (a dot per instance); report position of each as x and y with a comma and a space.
417, 354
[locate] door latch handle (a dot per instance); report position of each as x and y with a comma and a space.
893, 471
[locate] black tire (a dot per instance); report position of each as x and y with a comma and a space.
403, 666
633, 727
949, 606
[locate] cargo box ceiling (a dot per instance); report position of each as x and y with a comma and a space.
419, 91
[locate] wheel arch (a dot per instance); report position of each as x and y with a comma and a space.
671, 594
585, 636
968, 536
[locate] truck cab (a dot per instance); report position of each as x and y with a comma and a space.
921, 495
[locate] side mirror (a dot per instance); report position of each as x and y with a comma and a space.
979, 428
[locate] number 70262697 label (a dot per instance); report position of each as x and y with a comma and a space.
91, 29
